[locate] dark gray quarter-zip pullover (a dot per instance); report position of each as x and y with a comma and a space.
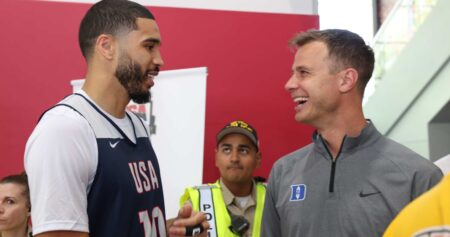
358, 194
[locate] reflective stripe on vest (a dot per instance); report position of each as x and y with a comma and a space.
207, 206
216, 211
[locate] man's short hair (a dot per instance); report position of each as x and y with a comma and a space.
345, 50
109, 17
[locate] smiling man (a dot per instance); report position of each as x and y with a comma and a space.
92, 169
351, 181
233, 205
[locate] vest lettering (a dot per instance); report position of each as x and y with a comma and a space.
208, 216
206, 207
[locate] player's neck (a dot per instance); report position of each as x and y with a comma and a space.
107, 93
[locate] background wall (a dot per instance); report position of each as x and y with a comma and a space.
414, 93
246, 54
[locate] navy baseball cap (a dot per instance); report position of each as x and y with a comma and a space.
239, 127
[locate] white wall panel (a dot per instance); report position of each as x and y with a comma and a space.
307, 7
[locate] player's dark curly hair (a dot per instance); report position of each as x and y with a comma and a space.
109, 17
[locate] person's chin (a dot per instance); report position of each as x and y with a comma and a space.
141, 98
304, 117
233, 177
300, 118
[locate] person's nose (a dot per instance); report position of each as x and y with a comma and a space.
234, 156
291, 84
157, 59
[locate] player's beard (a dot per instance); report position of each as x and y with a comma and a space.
131, 77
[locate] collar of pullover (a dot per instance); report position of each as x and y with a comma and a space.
367, 136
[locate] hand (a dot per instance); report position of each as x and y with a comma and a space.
188, 217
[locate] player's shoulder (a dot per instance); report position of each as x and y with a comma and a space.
62, 117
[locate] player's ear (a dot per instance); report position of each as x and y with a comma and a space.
105, 46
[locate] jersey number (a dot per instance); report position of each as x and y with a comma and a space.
154, 227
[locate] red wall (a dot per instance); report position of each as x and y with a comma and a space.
246, 54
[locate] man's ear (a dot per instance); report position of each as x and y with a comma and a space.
105, 45
348, 79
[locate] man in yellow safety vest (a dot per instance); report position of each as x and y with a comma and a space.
234, 203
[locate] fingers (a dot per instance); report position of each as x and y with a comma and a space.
194, 230
194, 219
191, 230
185, 211
184, 224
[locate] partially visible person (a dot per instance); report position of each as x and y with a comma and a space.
427, 216
234, 203
444, 164
91, 165
352, 180
14, 206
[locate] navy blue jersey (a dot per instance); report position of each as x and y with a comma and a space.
126, 196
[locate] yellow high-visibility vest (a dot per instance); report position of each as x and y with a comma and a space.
208, 199
428, 215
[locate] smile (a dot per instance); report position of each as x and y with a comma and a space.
301, 100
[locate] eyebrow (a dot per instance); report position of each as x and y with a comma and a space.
152, 40
243, 146
10, 197
239, 146
300, 68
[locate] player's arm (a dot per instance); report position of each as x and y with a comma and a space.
60, 164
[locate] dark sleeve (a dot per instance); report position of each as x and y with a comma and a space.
271, 219
425, 179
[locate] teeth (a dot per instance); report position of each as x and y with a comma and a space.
152, 74
301, 99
